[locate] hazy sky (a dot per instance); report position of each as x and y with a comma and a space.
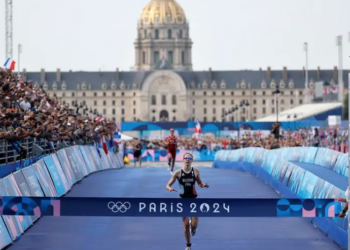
228, 34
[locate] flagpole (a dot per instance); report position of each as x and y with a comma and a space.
19, 53
340, 70
306, 73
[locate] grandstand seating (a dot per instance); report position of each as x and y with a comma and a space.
306, 111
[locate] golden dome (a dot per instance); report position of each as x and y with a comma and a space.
163, 12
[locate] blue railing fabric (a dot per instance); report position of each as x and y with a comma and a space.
52, 176
290, 180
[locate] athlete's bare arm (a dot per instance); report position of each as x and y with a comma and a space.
172, 180
199, 180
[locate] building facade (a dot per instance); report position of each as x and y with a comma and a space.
164, 86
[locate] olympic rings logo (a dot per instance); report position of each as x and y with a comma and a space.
119, 206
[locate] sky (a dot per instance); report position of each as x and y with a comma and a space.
92, 35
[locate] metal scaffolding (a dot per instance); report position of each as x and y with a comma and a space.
8, 23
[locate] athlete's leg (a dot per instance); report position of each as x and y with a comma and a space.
194, 225
169, 159
186, 222
140, 160
173, 157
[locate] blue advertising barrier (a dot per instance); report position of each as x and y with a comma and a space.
291, 181
52, 176
12, 167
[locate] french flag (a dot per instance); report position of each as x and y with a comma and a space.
10, 64
104, 144
117, 137
198, 128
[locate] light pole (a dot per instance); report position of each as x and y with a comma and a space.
339, 42
276, 93
306, 73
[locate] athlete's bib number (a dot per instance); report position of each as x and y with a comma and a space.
206, 208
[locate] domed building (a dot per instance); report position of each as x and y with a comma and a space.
163, 33
164, 87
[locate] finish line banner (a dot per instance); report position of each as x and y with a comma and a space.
159, 207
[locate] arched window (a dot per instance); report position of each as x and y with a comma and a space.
173, 99
170, 35
163, 99
156, 34
154, 101
174, 119
153, 119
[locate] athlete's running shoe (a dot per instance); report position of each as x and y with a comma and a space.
192, 230
188, 248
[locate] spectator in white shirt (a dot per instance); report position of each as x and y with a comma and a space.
25, 104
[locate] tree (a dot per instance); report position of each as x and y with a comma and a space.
346, 107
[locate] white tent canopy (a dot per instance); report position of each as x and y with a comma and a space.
124, 138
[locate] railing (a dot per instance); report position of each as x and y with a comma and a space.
9, 155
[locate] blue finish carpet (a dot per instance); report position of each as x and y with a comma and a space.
96, 233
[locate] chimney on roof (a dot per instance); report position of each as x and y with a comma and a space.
335, 73
304, 72
285, 74
318, 74
260, 69
117, 75
210, 75
42, 76
58, 75
268, 73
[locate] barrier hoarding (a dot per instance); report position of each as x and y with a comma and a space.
44, 179
13, 223
80, 160
290, 180
326, 158
5, 238
66, 166
307, 185
78, 174
24, 188
52, 176
89, 162
29, 174
95, 156
308, 154
57, 176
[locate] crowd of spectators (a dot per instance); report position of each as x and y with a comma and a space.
28, 111
274, 140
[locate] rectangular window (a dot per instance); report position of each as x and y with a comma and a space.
183, 57
144, 57
156, 57
170, 57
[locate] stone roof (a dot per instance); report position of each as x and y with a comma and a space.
238, 79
